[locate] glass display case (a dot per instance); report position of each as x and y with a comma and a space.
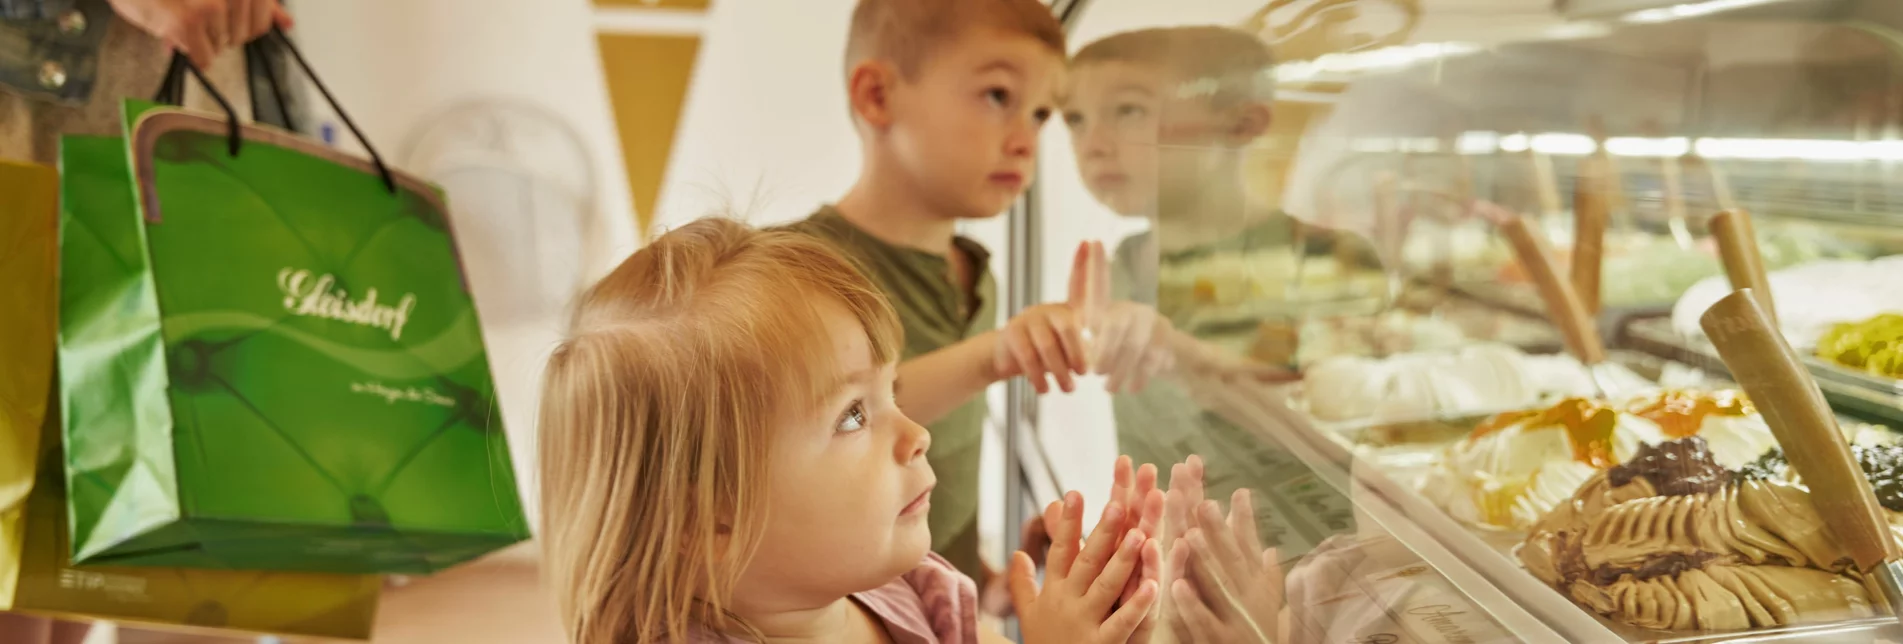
1432, 273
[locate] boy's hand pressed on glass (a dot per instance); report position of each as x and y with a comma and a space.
1078, 601
1087, 333
1049, 339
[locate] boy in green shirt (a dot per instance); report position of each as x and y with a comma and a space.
947, 97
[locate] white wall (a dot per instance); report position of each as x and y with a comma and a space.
766, 134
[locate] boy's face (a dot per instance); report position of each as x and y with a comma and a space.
965, 127
1126, 126
1114, 112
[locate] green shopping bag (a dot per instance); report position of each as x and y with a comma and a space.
271, 360
35, 564
36, 573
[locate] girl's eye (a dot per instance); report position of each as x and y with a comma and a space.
854, 419
998, 96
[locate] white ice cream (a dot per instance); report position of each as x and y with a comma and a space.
1475, 378
1810, 298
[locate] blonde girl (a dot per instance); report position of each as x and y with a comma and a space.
722, 461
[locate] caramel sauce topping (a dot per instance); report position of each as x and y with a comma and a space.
1681, 413
1589, 425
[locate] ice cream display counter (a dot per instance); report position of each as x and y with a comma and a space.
1592, 311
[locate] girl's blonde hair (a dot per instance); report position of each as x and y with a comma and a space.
656, 414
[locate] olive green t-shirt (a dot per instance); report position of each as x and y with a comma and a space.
936, 313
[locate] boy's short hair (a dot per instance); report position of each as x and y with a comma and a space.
1228, 65
905, 32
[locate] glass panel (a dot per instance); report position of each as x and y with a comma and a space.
1317, 196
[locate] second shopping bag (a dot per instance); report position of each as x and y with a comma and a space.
271, 360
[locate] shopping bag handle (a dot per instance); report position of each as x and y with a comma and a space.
172, 92
257, 62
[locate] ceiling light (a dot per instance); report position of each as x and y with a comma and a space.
1690, 10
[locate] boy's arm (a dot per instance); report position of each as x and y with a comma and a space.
934, 384
1043, 343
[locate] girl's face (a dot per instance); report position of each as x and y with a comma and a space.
848, 493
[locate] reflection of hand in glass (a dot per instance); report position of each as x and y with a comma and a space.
1230, 590
1134, 346
1125, 341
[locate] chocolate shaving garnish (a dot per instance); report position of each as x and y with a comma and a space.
1680, 467
1883, 464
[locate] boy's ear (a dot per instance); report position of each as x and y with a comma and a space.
1251, 122
869, 90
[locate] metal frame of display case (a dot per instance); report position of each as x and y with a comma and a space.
1515, 599
1022, 292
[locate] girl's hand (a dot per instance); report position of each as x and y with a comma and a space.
1131, 486
1232, 591
1135, 488
1077, 602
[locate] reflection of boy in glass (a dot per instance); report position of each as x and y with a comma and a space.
1161, 122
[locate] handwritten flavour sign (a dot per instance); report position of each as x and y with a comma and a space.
321, 297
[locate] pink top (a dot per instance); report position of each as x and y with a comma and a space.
932, 604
